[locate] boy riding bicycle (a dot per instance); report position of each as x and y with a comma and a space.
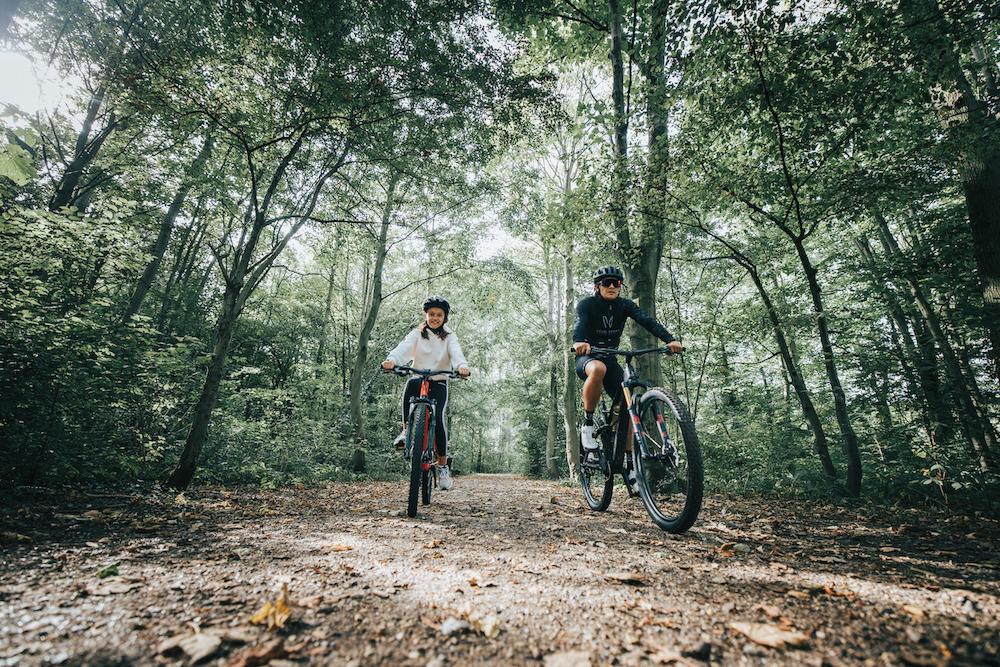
600, 321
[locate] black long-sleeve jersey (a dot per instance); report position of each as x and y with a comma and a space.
601, 322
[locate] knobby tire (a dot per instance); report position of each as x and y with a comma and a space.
417, 438
670, 518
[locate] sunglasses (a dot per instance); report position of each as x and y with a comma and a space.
610, 282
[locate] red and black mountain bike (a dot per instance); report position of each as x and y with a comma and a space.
654, 436
419, 449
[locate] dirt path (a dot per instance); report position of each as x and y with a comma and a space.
500, 570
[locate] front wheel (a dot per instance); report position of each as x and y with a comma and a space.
416, 440
595, 478
668, 465
427, 483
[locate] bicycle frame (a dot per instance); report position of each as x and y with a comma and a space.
632, 389
429, 440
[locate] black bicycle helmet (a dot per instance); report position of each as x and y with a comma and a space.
608, 272
437, 302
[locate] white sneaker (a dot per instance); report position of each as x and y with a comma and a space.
400, 440
445, 480
630, 479
589, 441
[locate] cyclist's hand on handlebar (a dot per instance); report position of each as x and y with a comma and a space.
581, 348
675, 346
388, 364
464, 372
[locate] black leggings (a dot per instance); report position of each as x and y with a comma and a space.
439, 393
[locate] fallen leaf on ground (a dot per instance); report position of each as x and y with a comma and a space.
769, 635
109, 571
94, 515
433, 544
628, 578
338, 547
770, 611
666, 656
488, 626
568, 659
916, 612
452, 626
261, 654
112, 588
13, 537
311, 602
275, 614
197, 647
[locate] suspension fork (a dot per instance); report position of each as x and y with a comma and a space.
429, 425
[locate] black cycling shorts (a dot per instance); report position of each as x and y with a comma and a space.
612, 378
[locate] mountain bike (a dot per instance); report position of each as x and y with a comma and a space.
419, 448
664, 453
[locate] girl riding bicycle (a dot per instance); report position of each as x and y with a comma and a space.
432, 345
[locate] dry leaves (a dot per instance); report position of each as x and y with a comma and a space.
197, 646
568, 659
628, 578
261, 654
769, 635
274, 613
9, 537
112, 588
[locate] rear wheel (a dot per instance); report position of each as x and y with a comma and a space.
595, 477
668, 467
417, 443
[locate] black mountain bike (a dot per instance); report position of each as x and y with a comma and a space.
419, 449
665, 455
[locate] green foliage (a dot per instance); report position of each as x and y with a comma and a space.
782, 121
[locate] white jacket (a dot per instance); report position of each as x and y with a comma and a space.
430, 352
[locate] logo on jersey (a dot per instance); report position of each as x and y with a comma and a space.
609, 321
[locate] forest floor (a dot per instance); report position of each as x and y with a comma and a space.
500, 570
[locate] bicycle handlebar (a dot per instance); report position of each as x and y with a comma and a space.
629, 353
425, 372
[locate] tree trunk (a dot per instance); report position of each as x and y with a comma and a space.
159, 248
921, 360
553, 336
932, 39
570, 397
371, 316
324, 330
795, 375
982, 198
849, 438
184, 472
972, 422
85, 150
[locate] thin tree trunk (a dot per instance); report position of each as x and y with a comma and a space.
552, 335
159, 248
570, 397
324, 330
849, 438
971, 420
820, 445
923, 361
371, 316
